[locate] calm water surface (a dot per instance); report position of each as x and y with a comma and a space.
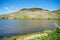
12, 27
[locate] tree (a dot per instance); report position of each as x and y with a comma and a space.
3, 18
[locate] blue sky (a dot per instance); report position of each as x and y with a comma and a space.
8, 6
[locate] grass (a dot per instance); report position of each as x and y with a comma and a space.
55, 35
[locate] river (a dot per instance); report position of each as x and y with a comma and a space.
18, 27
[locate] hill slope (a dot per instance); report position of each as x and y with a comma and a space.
32, 14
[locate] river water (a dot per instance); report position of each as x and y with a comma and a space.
15, 27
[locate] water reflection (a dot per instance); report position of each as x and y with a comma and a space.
25, 26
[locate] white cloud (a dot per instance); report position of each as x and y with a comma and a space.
6, 8
11, 9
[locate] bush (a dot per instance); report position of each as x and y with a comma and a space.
26, 17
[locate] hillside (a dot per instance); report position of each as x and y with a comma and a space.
32, 14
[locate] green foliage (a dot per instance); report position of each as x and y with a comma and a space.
55, 35
25, 17
23, 9
48, 18
35, 9
47, 31
4, 18
33, 18
15, 18
31, 9
41, 38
